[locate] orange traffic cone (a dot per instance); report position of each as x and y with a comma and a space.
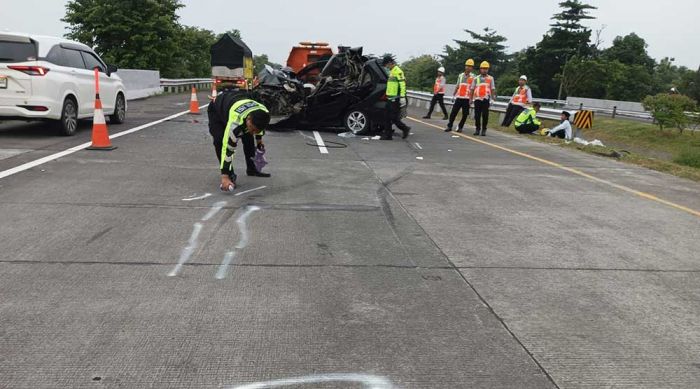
100, 134
194, 104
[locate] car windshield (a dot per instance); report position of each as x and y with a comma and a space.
17, 51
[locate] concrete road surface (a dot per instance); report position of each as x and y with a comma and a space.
437, 262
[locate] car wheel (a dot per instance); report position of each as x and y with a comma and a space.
356, 121
119, 115
69, 118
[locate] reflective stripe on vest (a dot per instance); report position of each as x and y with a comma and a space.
463, 85
483, 87
439, 87
396, 85
520, 95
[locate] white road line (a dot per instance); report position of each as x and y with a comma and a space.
367, 381
418, 146
319, 141
202, 197
242, 242
187, 251
250, 190
49, 158
214, 210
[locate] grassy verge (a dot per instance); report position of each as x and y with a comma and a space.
634, 142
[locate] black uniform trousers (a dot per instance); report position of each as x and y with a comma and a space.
393, 116
437, 98
462, 104
512, 112
527, 128
481, 114
217, 127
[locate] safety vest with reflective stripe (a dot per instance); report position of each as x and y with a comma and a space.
396, 85
520, 95
236, 116
464, 83
439, 87
526, 117
483, 87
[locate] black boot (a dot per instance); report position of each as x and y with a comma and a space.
255, 173
406, 130
448, 129
426, 117
459, 130
483, 131
476, 133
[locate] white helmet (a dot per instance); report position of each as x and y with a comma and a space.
523, 77
441, 69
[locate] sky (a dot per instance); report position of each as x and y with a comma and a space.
405, 28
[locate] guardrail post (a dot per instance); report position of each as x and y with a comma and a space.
614, 112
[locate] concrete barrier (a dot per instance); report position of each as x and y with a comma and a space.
140, 84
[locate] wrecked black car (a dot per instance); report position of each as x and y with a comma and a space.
350, 93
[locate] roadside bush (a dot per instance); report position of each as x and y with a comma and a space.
689, 157
670, 110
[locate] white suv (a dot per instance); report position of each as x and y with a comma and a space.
52, 78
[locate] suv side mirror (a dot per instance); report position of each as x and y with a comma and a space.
111, 69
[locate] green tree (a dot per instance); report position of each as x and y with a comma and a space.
129, 34
567, 38
482, 47
670, 110
193, 57
630, 50
236, 33
421, 72
259, 62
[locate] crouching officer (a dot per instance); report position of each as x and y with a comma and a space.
231, 118
395, 92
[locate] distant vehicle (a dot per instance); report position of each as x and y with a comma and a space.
49, 78
307, 53
231, 63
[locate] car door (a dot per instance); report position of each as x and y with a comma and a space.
80, 79
108, 88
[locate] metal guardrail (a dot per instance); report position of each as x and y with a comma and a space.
170, 85
416, 98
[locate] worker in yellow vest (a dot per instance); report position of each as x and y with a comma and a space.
522, 98
462, 96
395, 93
483, 91
438, 94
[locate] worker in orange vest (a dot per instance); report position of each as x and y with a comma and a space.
483, 91
462, 96
438, 94
522, 98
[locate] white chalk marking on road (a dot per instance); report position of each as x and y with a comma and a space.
72, 150
455, 136
202, 197
242, 241
319, 141
250, 190
367, 381
418, 146
187, 251
419, 158
218, 206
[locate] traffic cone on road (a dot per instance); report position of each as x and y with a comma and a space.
194, 104
100, 134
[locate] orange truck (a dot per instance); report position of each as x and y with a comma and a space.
307, 59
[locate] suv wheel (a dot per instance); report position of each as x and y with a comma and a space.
69, 118
119, 115
356, 121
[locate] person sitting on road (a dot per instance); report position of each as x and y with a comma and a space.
527, 122
563, 130
233, 117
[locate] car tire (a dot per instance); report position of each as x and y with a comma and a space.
356, 121
119, 115
68, 125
